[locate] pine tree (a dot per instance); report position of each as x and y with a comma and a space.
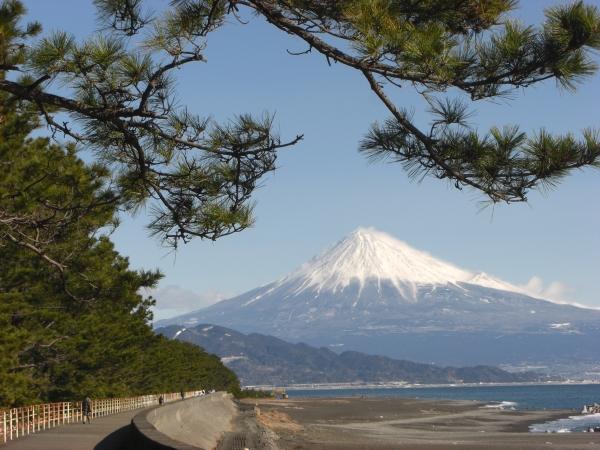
72, 320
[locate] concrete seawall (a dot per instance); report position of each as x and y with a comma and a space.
195, 423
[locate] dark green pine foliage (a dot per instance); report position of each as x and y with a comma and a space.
79, 326
159, 361
195, 176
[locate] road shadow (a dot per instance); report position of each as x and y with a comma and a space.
117, 440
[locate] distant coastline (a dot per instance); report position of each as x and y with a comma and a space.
517, 396
401, 385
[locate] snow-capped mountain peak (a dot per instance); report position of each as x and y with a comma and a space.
370, 255
375, 293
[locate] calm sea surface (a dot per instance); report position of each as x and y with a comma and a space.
520, 397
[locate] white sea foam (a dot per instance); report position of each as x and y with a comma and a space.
502, 405
567, 425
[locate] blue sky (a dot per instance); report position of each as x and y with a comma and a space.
324, 188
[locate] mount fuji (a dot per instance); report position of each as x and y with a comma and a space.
373, 293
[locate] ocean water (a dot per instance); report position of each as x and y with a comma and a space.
519, 397
564, 396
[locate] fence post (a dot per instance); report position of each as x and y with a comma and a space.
4, 426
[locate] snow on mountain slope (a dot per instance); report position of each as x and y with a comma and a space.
370, 278
366, 256
373, 293
485, 280
362, 272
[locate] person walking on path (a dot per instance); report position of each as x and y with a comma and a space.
161, 400
86, 410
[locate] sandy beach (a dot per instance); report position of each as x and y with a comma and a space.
400, 423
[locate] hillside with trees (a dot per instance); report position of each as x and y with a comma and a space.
260, 359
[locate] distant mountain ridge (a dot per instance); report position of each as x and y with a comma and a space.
375, 294
258, 360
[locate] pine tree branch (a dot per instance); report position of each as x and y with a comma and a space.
428, 142
292, 21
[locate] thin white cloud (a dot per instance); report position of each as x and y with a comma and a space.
555, 291
172, 300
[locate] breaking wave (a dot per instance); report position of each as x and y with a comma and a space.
502, 405
567, 425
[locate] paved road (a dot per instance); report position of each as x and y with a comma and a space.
104, 433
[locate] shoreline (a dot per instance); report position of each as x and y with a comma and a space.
402, 385
385, 423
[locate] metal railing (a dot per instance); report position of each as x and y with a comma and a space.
19, 422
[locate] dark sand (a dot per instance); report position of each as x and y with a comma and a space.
397, 423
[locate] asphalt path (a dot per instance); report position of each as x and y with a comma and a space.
104, 433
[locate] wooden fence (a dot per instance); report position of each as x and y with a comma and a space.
19, 422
